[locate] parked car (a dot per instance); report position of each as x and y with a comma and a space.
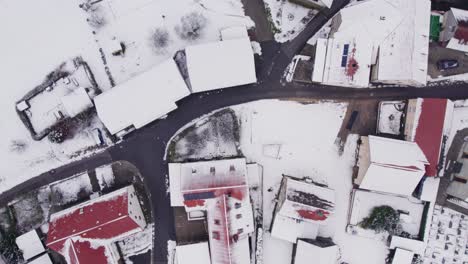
443, 65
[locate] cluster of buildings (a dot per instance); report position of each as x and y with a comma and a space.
199, 68
87, 232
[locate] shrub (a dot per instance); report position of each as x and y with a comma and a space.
382, 218
18, 146
59, 134
191, 26
160, 40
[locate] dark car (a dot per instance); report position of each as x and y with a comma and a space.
443, 65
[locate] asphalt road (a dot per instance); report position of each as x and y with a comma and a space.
145, 148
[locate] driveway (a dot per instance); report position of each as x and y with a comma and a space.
437, 53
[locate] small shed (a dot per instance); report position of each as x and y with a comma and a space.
193, 253
403, 256
310, 251
30, 244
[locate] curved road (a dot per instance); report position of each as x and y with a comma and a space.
145, 148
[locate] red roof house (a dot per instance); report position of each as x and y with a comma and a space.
75, 231
220, 188
427, 121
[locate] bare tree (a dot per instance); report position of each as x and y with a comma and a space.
160, 40
191, 26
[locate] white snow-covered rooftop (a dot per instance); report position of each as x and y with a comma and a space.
290, 229
412, 245
30, 244
458, 41
142, 99
193, 253
220, 64
403, 257
76, 102
309, 253
392, 35
389, 163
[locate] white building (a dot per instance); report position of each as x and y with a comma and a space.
385, 164
193, 253
381, 41
310, 252
219, 188
30, 244
402, 256
302, 207
455, 29
142, 99
220, 64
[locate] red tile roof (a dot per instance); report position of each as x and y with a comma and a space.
429, 132
82, 252
103, 218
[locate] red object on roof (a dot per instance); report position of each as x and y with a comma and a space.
429, 132
81, 252
462, 32
105, 218
316, 215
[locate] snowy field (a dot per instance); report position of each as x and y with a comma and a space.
134, 24
299, 140
287, 19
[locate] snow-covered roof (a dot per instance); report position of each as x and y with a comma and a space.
193, 253
290, 229
309, 253
44, 259
142, 99
30, 244
389, 117
199, 176
407, 45
105, 218
306, 201
220, 64
402, 257
460, 37
76, 102
391, 163
430, 189
383, 33
431, 118
412, 245
235, 32
221, 188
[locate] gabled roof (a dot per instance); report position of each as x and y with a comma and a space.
429, 130
193, 253
142, 99
393, 162
220, 64
309, 253
106, 217
397, 154
307, 201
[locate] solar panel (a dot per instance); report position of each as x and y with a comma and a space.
344, 60
345, 49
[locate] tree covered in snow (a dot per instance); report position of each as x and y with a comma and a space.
382, 218
191, 26
59, 134
160, 40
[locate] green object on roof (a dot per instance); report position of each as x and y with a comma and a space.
435, 28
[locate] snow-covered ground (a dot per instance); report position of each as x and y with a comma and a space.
40, 36
288, 19
305, 136
134, 22
459, 121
